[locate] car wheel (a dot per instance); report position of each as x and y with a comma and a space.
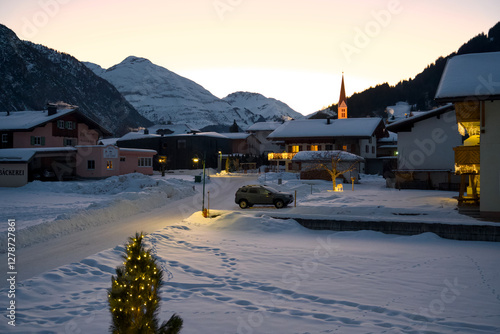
244, 204
279, 204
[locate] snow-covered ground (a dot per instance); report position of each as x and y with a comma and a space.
245, 272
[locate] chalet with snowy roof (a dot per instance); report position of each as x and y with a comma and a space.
54, 144
471, 83
425, 150
355, 135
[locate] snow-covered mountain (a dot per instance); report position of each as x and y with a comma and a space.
269, 108
163, 96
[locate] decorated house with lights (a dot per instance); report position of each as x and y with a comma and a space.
425, 150
472, 83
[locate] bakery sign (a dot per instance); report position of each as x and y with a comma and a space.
110, 152
13, 175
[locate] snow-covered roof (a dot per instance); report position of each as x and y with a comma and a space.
405, 124
26, 154
236, 135
348, 127
326, 156
136, 150
136, 135
470, 75
393, 137
264, 126
204, 134
25, 120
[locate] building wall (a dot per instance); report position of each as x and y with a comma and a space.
23, 139
87, 136
54, 137
265, 144
490, 160
131, 162
430, 144
368, 147
96, 154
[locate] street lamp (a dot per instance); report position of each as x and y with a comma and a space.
162, 160
203, 210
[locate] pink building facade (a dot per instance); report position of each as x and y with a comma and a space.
98, 161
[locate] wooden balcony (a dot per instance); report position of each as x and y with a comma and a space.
467, 111
280, 156
467, 155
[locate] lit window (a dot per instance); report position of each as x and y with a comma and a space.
314, 148
295, 148
344, 147
109, 164
91, 164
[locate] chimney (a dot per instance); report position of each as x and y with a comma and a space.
51, 109
328, 120
146, 131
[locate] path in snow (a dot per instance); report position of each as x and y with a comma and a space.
41, 257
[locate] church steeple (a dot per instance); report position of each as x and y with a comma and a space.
342, 105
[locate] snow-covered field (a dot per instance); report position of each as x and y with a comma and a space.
245, 272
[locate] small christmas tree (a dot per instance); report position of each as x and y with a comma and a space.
134, 299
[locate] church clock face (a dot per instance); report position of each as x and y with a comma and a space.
110, 152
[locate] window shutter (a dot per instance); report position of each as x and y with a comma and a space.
43, 141
32, 140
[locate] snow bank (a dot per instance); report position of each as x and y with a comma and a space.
124, 196
236, 221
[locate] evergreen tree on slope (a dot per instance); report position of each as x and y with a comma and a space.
134, 299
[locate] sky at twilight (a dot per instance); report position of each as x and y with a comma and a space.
291, 50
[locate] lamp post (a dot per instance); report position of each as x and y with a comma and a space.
220, 162
195, 160
162, 160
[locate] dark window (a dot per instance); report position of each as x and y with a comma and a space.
122, 159
367, 149
60, 124
253, 191
181, 144
90, 164
5, 138
329, 147
373, 149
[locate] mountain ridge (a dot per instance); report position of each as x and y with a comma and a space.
34, 75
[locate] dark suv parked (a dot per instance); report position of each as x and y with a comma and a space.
247, 196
